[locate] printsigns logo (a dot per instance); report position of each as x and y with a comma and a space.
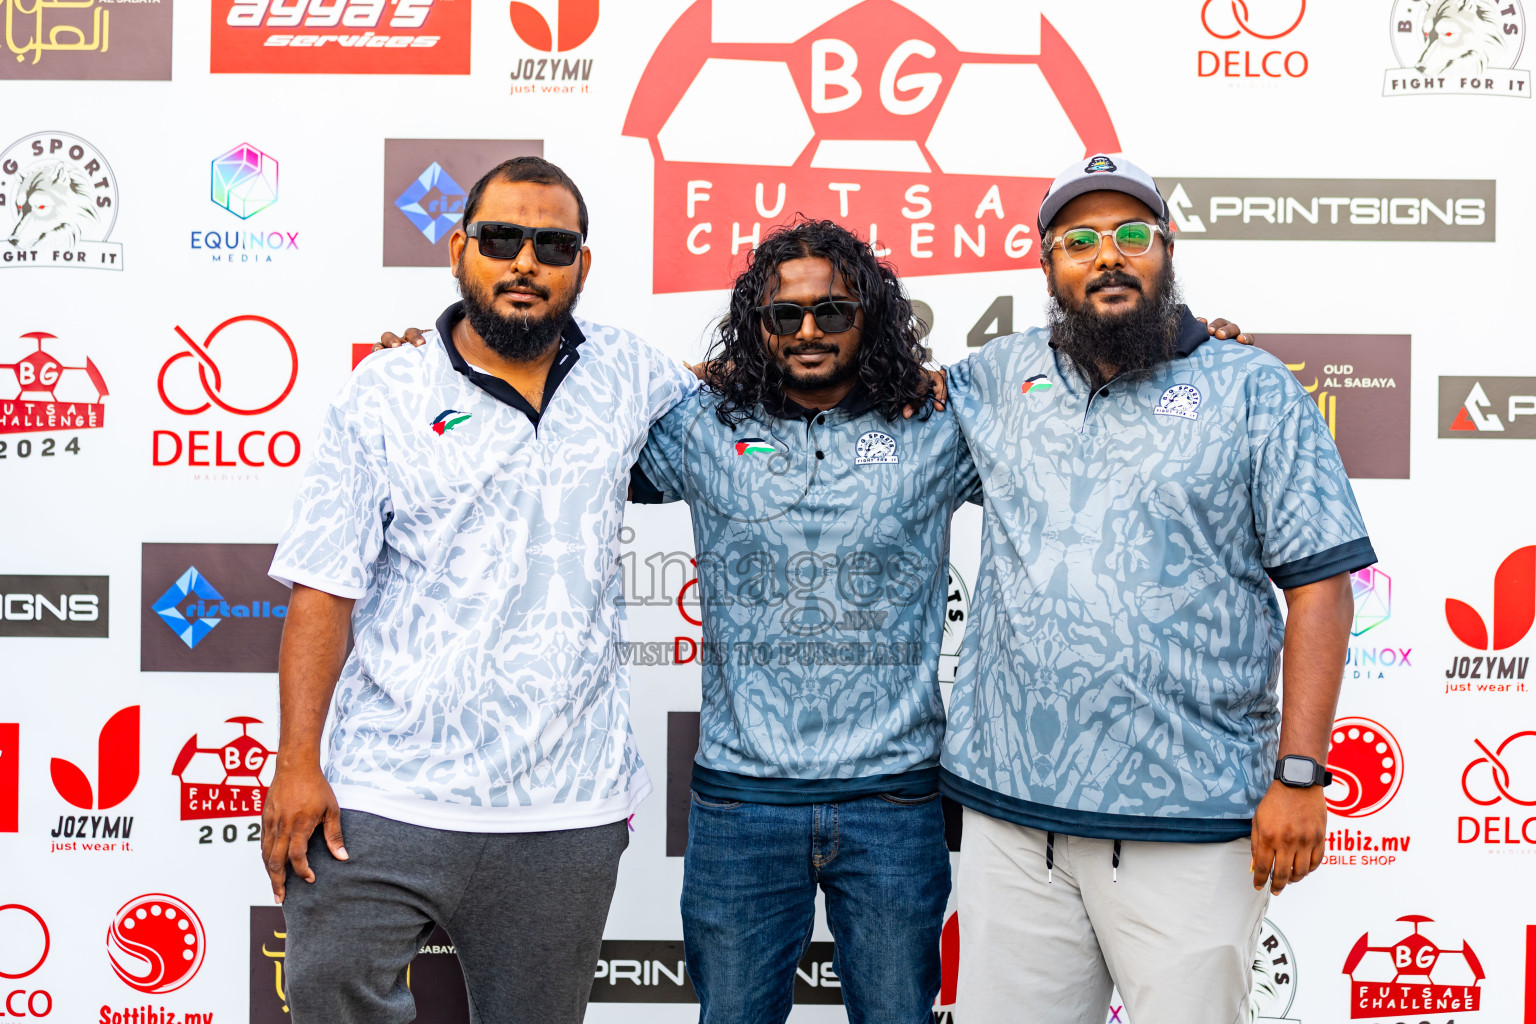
156, 943
53, 606
1233, 23
39, 393
255, 370
1361, 384
1488, 407
1331, 209
227, 781
884, 119
87, 39
1412, 975
59, 196
426, 182
117, 766
1457, 47
347, 37
193, 624
1514, 611
1367, 765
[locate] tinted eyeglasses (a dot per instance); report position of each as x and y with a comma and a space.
784, 318
499, 240
1082, 244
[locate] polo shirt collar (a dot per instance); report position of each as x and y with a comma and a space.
856, 403
1192, 334
570, 340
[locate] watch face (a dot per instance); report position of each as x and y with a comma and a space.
1298, 771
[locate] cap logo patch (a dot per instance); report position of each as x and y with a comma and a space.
875, 448
1036, 384
755, 446
1099, 163
1182, 400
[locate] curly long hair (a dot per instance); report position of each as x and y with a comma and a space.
890, 358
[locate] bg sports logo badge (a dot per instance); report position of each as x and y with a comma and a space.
934, 139
340, 37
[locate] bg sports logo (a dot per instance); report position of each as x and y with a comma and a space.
1411, 974
934, 139
340, 37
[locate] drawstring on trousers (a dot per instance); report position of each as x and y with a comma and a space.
1114, 869
1050, 857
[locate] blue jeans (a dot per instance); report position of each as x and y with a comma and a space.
749, 900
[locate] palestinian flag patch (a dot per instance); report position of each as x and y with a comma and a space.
755, 446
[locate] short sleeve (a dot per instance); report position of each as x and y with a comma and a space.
336, 532
1308, 523
662, 464
670, 383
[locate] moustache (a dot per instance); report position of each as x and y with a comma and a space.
1112, 279
521, 284
806, 349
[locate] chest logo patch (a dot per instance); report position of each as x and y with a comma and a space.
1182, 400
755, 446
447, 420
1036, 384
875, 448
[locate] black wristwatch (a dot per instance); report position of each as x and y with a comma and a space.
1301, 772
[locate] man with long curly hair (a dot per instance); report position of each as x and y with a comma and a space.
821, 524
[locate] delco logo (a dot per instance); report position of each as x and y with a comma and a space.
934, 140
347, 37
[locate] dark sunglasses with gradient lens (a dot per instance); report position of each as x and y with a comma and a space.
833, 316
499, 240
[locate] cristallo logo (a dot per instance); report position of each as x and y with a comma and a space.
575, 21
933, 136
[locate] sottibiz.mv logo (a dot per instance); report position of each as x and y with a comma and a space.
1412, 974
1514, 611
340, 37
934, 139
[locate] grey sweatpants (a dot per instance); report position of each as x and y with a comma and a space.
525, 910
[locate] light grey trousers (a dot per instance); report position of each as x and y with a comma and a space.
525, 910
1175, 927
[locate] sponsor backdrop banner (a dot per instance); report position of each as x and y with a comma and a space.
210, 211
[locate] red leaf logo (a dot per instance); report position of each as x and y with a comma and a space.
575, 20
117, 765
1514, 605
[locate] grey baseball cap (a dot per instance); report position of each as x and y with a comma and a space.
1097, 173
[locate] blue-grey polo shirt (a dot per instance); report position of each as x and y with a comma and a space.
1118, 675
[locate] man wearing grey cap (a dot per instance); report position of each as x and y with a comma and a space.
1134, 788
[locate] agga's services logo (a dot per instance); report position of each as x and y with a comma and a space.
1460, 47
426, 182
244, 181
210, 608
225, 781
1514, 611
1361, 384
39, 394
1411, 974
1250, 39
117, 775
58, 202
1488, 407
87, 39
882, 120
253, 372
574, 23
345, 37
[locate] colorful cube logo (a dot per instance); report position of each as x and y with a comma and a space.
244, 180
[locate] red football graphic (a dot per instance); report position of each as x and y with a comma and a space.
1367, 766
156, 943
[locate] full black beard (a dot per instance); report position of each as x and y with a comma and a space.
1137, 341
516, 336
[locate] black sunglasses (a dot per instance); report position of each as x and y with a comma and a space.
832, 315
499, 240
